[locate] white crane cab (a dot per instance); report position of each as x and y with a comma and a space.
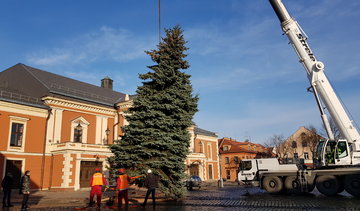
331, 153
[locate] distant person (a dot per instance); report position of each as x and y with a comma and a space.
25, 190
6, 185
97, 182
151, 183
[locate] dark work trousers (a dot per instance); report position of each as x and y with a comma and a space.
25, 201
123, 194
152, 191
7, 197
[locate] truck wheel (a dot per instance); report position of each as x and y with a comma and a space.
341, 186
328, 185
273, 184
352, 184
292, 185
310, 187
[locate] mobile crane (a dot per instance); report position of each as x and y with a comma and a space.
337, 162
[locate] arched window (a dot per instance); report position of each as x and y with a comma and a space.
303, 136
304, 143
293, 144
200, 147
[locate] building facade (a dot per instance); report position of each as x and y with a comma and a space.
203, 160
56, 127
232, 152
299, 147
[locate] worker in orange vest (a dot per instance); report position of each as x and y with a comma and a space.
97, 182
123, 186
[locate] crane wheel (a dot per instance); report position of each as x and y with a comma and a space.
273, 184
310, 187
341, 186
328, 185
292, 185
352, 184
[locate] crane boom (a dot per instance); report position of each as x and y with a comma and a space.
337, 162
320, 84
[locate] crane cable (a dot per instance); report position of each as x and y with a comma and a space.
159, 23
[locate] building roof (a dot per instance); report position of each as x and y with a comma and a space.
25, 83
200, 131
236, 147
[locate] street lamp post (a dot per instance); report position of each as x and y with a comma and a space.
78, 132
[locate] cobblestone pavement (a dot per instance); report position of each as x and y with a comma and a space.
235, 198
207, 198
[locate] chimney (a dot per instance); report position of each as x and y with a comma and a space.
107, 83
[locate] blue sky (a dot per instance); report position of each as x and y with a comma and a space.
249, 80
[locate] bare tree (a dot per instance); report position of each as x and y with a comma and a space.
312, 139
280, 147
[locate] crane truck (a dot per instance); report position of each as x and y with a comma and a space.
336, 161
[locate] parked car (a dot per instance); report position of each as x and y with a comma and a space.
193, 181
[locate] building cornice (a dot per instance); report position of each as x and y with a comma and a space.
23, 109
125, 104
62, 103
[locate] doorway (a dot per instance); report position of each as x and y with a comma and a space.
87, 169
194, 169
14, 167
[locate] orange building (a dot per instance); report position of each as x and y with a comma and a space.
56, 127
232, 152
203, 159
60, 128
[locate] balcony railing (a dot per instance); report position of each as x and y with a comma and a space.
74, 146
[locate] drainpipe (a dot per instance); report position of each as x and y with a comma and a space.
116, 124
51, 170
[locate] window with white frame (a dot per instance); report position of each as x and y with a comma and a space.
236, 159
78, 133
210, 171
201, 147
79, 128
306, 155
17, 132
227, 174
209, 155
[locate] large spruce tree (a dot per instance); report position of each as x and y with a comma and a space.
156, 136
